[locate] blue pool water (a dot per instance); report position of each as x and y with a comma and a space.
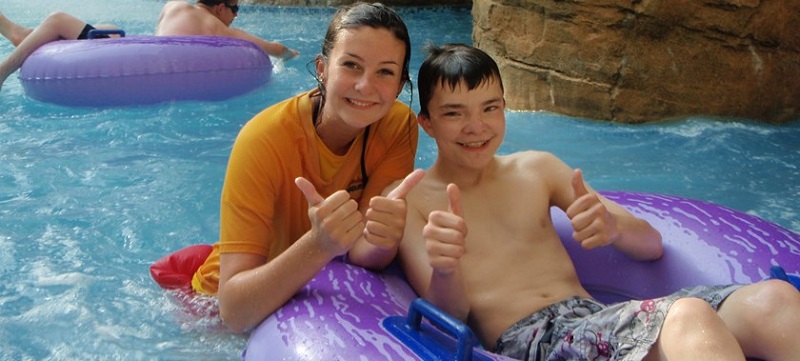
89, 198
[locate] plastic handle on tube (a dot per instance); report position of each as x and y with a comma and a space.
445, 322
425, 342
778, 273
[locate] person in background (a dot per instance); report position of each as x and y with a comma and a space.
480, 244
213, 18
56, 26
304, 179
207, 17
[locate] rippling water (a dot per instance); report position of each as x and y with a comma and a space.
89, 198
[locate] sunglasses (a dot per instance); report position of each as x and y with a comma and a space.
234, 8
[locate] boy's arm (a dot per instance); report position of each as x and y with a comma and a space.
637, 237
277, 50
598, 222
430, 254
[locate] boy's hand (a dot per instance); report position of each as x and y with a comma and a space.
594, 225
336, 223
289, 54
386, 216
445, 233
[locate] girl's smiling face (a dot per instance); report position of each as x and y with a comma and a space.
362, 76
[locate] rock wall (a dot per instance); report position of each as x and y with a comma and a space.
334, 3
643, 60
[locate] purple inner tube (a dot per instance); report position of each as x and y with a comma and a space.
339, 314
704, 244
144, 70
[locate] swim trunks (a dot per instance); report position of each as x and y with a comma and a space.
584, 329
85, 33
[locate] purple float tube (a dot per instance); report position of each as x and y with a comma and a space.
704, 244
349, 313
143, 70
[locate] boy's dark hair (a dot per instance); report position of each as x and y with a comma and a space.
211, 2
375, 15
450, 64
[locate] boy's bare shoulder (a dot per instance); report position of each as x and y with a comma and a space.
176, 5
428, 192
424, 184
529, 158
391, 187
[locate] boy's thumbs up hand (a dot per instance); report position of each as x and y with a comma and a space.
593, 224
454, 197
578, 185
445, 233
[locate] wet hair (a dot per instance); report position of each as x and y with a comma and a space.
450, 64
374, 15
211, 2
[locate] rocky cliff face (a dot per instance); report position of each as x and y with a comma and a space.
642, 60
334, 3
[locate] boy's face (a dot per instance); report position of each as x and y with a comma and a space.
226, 12
468, 125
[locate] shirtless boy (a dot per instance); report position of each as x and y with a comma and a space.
178, 17
212, 17
479, 243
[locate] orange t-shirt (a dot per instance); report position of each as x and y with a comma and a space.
263, 212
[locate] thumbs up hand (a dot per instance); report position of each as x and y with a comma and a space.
593, 224
445, 233
386, 216
336, 223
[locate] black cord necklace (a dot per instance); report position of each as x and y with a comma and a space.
317, 110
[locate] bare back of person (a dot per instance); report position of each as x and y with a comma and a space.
514, 263
182, 18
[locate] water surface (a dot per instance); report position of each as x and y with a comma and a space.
89, 198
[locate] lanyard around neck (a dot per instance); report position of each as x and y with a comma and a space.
364, 177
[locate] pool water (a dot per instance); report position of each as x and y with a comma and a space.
89, 198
